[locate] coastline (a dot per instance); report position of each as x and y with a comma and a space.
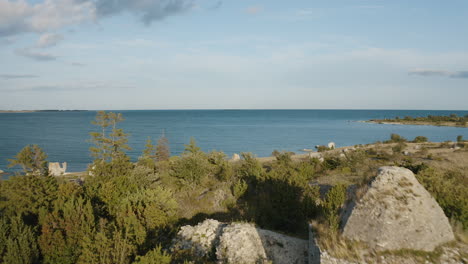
414, 123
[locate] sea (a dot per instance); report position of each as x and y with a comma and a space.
64, 135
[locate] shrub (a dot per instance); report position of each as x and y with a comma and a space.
155, 256
239, 188
395, 138
17, 242
331, 163
332, 204
322, 148
191, 168
420, 139
398, 148
450, 189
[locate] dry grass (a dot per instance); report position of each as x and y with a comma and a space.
335, 245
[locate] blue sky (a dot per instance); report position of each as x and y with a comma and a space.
243, 54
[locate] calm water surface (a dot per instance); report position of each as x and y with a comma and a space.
64, 135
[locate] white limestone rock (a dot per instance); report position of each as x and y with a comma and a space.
397, 213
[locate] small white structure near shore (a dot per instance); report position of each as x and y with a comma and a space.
331, 145
56, 170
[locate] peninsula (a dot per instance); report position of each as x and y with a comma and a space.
452, 120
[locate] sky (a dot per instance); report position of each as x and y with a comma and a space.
236, 54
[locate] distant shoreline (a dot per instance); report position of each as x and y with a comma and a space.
35, 111
417, 123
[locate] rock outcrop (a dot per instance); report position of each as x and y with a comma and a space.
56, 170
241, 243
395, 213
235, 157
200, 238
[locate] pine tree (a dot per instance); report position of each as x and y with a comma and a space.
18, 241
32, 159
163, 152
192, 147
110, 145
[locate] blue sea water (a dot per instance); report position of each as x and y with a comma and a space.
64, 135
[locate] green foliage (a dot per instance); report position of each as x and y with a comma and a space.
437, 120
450, 189
332, 204
322, 148
108, 245
250, 167
395, 138
17, 242
64, 229
155, 256
420, 139
331, 163
192, 147
399, 148
148, 157
32, 160
191, 168
163, 152
460, 138
223, 169
109, 150
152, 208
27, 194
239, 188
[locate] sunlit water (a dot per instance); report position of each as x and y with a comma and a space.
64, 135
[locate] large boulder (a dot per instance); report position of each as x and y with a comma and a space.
241, 243
395, 213
200, 239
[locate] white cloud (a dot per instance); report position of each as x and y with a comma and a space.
18, 17
48, 40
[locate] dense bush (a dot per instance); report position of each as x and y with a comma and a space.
450, 189
420, 139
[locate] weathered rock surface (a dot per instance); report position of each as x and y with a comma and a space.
397, 213
241, 243
200, 238
56, 170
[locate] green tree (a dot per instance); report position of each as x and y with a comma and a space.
192, 147
17, 242
148, 157
64, 229
163, 152
459, 138
155, 256
108, 245
27, 195
110, 146
32, 159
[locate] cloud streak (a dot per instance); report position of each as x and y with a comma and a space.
35, 55
21, 16
17, 76
147, 10
431, 72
